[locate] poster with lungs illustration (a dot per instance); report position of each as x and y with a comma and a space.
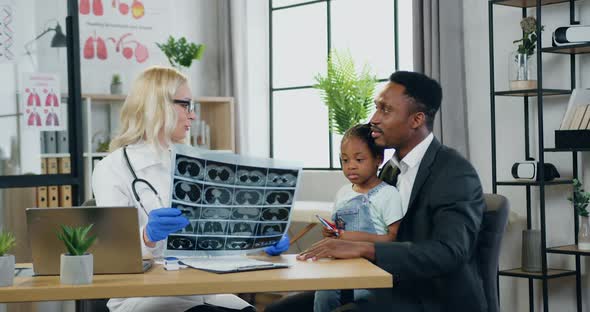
120, 32
41, 102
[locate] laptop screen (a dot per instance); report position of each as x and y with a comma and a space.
117, 248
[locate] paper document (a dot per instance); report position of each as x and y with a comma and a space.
231, 264
235, 204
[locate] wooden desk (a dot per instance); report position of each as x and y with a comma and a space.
331, 274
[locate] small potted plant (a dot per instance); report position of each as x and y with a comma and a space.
76, 266
7, 241
523, 72
580, 199
181, 52
116, 84
348, 94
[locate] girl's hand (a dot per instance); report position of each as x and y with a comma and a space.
328, 233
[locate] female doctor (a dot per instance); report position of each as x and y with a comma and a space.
157, 113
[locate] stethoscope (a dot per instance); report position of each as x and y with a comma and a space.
136, 180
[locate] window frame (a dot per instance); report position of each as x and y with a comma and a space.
272, 89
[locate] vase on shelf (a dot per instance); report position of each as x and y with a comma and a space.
584, 234
523, 71
531, 250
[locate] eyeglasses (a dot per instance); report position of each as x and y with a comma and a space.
187, 104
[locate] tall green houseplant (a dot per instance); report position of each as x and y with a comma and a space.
348, 94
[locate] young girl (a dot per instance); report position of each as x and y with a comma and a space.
367, 210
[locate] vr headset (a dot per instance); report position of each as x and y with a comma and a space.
529, 170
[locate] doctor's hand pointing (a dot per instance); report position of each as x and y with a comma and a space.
162, 222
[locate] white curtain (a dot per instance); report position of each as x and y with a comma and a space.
243, 67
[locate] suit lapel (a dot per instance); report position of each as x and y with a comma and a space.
424, 170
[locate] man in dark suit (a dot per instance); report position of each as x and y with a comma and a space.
433, 261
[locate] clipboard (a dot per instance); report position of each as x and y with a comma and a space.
222, 265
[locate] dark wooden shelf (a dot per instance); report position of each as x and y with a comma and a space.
568, 250
551, 273
533, 92
581, 48
555, 149
526, 3
525, 182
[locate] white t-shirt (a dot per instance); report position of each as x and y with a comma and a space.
386, 205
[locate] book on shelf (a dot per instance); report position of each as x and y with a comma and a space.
585, 119
577, 119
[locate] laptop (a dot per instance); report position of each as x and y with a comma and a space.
117, 248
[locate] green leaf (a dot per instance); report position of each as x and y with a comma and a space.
347, 94
181, 52
75, 239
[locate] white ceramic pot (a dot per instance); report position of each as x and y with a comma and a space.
6, 270
116, 88
76, 270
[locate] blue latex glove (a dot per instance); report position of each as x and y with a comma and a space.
278, 248
164, 221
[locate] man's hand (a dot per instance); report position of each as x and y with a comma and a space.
340, 249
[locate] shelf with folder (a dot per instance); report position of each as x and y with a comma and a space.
551, 273
526, 3
55, 155
533, 92
581, 48
568, 250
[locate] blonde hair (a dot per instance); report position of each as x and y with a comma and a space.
149, 109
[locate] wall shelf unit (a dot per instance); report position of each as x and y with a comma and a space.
532, 129
217, 112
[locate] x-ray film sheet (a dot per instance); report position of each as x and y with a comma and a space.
235, 204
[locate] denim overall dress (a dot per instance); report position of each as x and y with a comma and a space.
351, 215
355, 213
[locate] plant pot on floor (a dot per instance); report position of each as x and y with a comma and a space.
76, 270
6, 270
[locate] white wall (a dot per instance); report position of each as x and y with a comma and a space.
510, 142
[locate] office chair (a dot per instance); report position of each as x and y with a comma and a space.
488, 248
492, 228
91, 305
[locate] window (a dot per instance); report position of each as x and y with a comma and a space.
301, 35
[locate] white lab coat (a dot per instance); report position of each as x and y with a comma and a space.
111, 183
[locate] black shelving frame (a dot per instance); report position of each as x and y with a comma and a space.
76, 178
546, 273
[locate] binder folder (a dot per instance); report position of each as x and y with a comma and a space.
62, 142
65, 191
53, 196
65, 196
41, 192
52, 165
50, 142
